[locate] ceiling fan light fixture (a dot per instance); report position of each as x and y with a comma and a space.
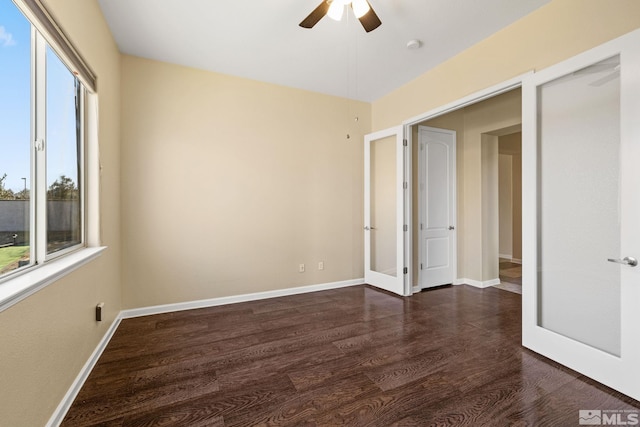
335, 10
360, 8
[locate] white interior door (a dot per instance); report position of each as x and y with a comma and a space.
581, 213
384, 210
437, 206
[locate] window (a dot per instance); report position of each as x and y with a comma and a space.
63, 155
15, 136
42, 140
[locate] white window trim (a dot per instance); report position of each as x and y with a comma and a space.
29, 280
37, 277
15, 287
41, 18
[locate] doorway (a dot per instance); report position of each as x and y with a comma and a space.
436, 207
580, 239
510, 212
478, 127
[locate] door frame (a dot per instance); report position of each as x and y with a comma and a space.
422, 169
408, 124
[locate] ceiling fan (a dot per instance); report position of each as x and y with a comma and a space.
334, 8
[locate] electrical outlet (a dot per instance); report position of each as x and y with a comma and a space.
321, 265
99, 309
301, 268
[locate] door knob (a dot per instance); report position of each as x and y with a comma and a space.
366, 227
630, 261
451, 227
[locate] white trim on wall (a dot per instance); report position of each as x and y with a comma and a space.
190, 305
72, 393
477, 283
474, 98
471, 99
28, 282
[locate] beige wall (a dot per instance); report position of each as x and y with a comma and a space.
489, 202
517, 207
505, 202
484, 122
47, 338
510, 146
556, 31
230, 184
478, 128
263, 177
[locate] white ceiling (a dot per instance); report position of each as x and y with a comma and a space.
261, 39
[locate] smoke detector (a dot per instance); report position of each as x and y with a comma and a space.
414, 44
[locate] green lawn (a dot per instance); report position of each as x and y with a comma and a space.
12, 254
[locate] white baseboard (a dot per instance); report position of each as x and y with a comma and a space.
70, 396
510, 259
506, 256
477, 283
190, 305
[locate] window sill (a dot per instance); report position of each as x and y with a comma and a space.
28, 283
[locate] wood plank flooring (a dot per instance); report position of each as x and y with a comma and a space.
510, 272
353, 356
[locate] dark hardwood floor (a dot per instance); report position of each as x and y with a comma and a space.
510, 272
353, 356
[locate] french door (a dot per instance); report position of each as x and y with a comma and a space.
384, 198
581, 213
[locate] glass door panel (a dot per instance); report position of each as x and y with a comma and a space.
579, 209
384, 170
383, 228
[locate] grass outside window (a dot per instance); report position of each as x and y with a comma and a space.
10, 256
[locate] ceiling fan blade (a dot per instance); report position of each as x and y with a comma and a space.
370, 20
315, 16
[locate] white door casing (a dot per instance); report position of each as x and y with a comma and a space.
581, 207
384, 210
437, 207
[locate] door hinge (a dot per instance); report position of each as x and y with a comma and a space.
421, 226
404, 142
405, 270
405, 185
39, 144
420, 266
405, 227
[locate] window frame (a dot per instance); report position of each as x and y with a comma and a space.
46, 268
39, 134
